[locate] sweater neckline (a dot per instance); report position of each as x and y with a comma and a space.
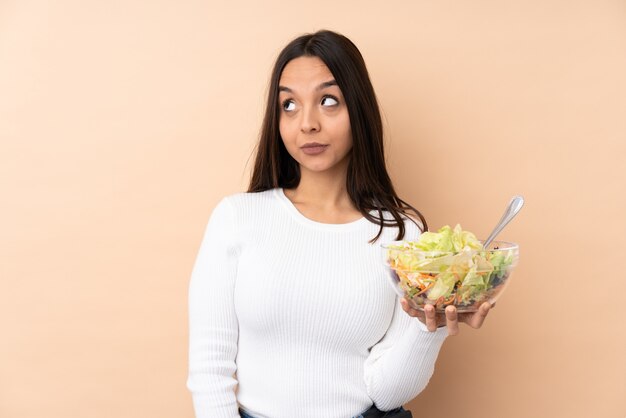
295, 213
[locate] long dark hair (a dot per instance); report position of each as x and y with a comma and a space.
368, 183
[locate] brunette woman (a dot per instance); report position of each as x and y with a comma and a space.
291, 314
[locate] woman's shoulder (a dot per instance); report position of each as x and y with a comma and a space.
244, 208
250, 205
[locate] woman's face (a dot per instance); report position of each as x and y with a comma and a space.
314, 121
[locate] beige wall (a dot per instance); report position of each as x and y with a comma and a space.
122, 124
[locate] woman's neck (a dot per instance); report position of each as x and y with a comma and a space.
323, 197
321, 189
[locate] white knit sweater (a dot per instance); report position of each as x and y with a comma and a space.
291, 317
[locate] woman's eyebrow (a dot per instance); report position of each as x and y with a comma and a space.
326, 84
320, 87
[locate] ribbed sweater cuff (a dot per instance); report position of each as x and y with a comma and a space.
225, 410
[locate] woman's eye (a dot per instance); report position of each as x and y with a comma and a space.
289, 105
329, 101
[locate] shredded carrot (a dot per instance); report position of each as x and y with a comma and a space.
426, 288
450, 300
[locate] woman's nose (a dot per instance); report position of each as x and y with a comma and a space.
310, 120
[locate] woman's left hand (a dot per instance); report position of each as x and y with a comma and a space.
451, 318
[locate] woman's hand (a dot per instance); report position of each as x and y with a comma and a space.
451, 318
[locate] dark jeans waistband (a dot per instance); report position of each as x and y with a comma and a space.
373, 412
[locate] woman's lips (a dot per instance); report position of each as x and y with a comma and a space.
314, 149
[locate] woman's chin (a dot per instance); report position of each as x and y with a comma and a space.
326, 167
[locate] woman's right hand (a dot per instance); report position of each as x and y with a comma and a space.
450, 318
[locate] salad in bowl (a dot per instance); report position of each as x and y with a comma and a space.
449, 267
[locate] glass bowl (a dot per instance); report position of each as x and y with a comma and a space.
464, 279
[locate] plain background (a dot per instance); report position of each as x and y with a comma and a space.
123, 123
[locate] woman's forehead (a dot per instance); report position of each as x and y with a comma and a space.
305, 71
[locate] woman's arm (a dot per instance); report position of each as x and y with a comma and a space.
213, 329
400, 365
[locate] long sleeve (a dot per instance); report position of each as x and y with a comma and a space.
213, 325
400, 365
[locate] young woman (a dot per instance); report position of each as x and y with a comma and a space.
290, 311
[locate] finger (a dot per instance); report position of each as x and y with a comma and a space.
431, 318
404, 305
408, 309
479, 317
452, 320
